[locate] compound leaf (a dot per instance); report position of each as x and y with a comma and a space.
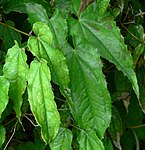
41, 47
91, 103
41, 100
15, 70
62, 141
4, 88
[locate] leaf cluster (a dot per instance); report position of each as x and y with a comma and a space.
72, 74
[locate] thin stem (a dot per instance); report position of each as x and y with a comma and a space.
74, 126
9, 121
131, 33
6, 25
11, 136
59, 99
31, 121
139, 126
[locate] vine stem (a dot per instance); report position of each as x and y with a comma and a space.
11, 137
131, 33
139, 126
6, 25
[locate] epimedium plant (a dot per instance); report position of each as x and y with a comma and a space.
69, 80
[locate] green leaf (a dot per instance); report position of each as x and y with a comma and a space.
107, 144
62, 141
36, 13
59, 29
41, 100
13, 5
4, 88
89, 141
26, 146
141, 79
102, 5
91, 104
115, 128
102, 33
2, 135
135, 35
15, 70
9, 35
137, 53
40, 47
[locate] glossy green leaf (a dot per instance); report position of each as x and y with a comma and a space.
36, 13
2, 135
9, 35
41, 100
102, 32
62, 141
91, 104
41, 47
4, 88
15, 70
89, 141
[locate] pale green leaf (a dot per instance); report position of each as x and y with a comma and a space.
88, 140
40, 47
15, 70
62, 141
4, 88
2, 135
91, 103
9, 35
41, 100
36, 13
102, 32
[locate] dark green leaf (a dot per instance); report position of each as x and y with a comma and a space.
115, 128
9, 35
135, 35
36, 13
137, 53
41, 100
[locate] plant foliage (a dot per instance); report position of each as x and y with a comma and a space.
72, 74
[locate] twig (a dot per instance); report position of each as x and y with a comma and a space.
11, 136
139, 126
31, 121
6, 25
